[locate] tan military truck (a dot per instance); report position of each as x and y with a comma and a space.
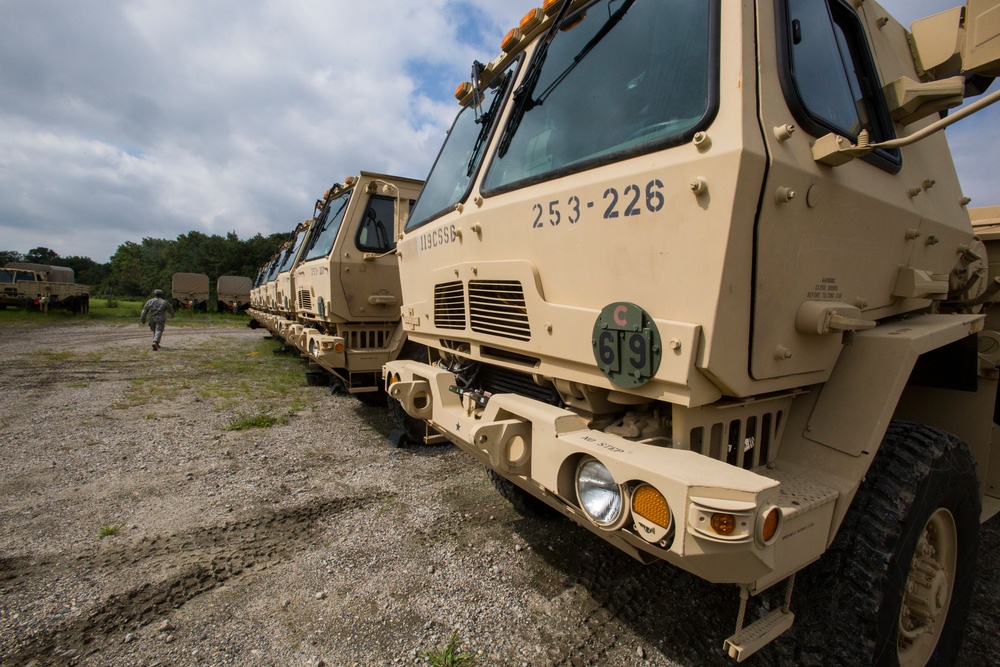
700, 277
43, 287
260, 310
232, 293
12, 293
256, 315
190, 291
288, 327
347, 281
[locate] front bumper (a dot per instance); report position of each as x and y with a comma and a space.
538, 447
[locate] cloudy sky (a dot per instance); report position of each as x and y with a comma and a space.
125, 119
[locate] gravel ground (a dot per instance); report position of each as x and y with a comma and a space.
309, 542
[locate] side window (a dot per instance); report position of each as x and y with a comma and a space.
375, 233
829, 79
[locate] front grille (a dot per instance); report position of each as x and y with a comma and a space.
366, 338
449, 305
497, 307
745, 442
305, 299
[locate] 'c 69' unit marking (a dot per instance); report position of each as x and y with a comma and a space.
626, 345
438, 237
631, 201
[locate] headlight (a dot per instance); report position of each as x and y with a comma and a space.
314, 347
599, 494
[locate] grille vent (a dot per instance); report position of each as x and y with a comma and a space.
746, 442
497, 307
449, 305
366, 339
305, 299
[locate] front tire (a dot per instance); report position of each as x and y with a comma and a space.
409, 430
896, 585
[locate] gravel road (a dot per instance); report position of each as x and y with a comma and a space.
140, 527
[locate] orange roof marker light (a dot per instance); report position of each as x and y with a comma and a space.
464, 88
510, 40
549, 6
532, 20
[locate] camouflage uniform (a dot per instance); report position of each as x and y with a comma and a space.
155, 311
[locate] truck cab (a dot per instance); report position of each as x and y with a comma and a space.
347, 280
698, 276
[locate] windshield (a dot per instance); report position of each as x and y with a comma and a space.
13, 276
623, 77
461, 154
293, 251
328, 224
272, 270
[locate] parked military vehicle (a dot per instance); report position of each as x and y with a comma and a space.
232, 293
284, 308
347, 292
42, 287
190, 291
700, 277
12, 293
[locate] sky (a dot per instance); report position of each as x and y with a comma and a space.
126, 119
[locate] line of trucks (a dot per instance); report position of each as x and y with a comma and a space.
701, 278
42, 287
190, 292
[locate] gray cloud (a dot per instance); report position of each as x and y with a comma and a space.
141, 118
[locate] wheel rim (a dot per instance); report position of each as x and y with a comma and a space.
927, 591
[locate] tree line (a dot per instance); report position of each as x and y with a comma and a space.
136, 269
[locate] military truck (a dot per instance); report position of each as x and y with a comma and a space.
232, 293
43, 287
284, 308
347, 281
259, 308
701, 278
190, 291
12, 293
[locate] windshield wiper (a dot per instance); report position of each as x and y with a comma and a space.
484, 119
608, 26
523, 96
523, 101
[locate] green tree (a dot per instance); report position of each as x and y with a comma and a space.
7, 256
41, 255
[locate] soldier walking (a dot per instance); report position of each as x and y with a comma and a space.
155, 311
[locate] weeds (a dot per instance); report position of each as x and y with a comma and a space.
448, 656
108, 530
263, 420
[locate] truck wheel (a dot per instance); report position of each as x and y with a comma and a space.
408, 430
896, 585
523, 502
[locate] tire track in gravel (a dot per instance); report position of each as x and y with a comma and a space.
197, 562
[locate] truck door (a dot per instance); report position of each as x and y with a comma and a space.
369, 268
833, 235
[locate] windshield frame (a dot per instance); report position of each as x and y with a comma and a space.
289, 262
506, 80
320, 224
669, 141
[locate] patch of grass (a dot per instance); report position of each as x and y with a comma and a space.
79, 385
54, 355
449, 656
263, 420
107, 530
